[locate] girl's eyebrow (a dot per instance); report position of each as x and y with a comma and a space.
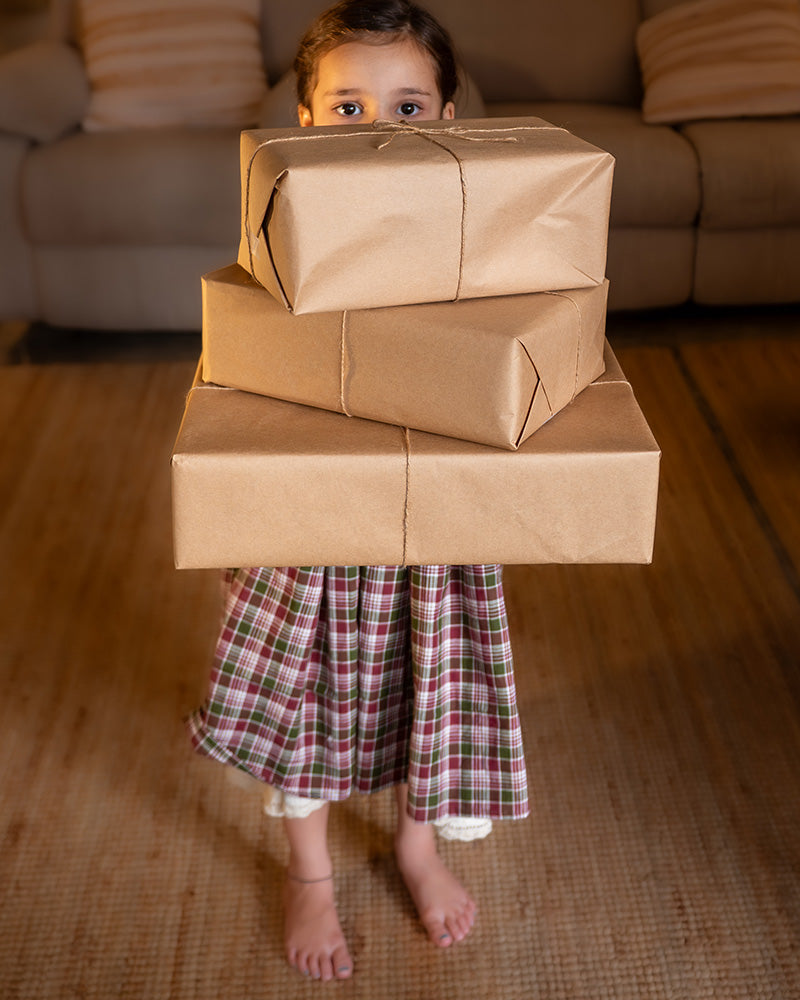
355, 91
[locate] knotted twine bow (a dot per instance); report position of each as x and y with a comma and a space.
404, 127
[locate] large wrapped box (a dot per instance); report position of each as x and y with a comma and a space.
363, 216
261, 482
486, 370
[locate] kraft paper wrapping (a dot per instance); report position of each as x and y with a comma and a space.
261, 482
488, 370
358, 217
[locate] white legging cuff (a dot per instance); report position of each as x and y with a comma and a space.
463, 828
284, 805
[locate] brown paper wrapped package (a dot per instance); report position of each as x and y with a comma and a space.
485, 370
262, 482
364, 216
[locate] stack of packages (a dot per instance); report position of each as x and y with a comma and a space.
409, 306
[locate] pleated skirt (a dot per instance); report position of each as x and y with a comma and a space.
330, 680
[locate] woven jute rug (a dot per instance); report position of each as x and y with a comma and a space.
661, 859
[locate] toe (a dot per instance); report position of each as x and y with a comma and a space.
460, 927
342, 963
313, 967
438, 932
325, 968
460, 923
455, 929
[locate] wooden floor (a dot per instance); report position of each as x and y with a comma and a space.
660, 704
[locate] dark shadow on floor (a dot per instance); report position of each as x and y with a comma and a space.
41, 344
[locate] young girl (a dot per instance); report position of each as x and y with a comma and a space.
329, 680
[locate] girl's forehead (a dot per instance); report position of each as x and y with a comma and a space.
364, 58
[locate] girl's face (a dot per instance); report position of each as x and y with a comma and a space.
360, 82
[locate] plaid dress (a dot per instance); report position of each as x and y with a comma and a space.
329, 680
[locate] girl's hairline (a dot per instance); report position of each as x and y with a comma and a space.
368, 36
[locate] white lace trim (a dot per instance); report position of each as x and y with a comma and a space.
284, 805
463, 828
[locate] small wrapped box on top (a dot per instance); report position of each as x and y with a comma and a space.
261, 482
359, 217
489, 370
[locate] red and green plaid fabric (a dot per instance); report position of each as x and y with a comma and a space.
329, 680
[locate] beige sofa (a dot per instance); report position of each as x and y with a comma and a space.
112, 230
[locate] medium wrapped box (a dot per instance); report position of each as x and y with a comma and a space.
359, 217
486, 370
261, 482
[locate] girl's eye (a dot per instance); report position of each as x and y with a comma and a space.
407, 109
348, 109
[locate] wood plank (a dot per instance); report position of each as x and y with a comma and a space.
752, 388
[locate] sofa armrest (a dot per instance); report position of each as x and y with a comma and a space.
44, 90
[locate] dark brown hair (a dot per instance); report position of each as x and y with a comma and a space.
367, 20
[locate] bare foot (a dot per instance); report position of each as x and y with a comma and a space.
446, 909
315, 944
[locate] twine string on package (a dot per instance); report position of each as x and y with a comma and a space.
576, 307
431, 135
343, 366
407, 443
406, 432
392, 128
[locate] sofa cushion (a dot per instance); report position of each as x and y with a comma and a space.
750, 171
124, 287
649, 268
721, 59
43, 90
171, 62
143, 187
17, 289
655, 174
747, 266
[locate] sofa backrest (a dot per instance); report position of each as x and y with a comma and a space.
578, 50
516, 50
